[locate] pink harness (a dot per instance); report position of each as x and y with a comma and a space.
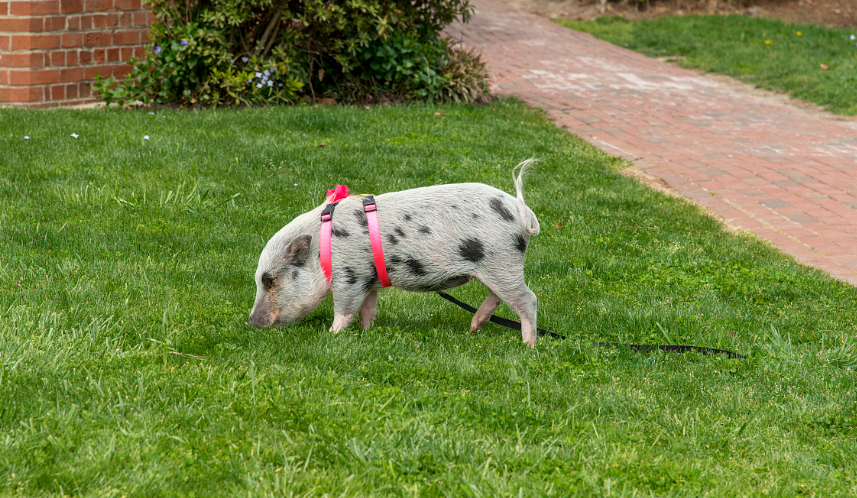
333, 198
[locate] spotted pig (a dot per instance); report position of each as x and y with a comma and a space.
434, 238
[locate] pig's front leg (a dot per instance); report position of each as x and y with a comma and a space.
341, 322
367, 309
345, 304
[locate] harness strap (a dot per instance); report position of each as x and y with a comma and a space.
375, 239
326, 229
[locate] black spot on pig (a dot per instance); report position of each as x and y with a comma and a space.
351, 277
498, 207
408, 217
454, 206
521, 243
399, 232
472, 250
395, 261
368, 283
295, 275
267, 281
340, 232
415, 267
361, 218
391, 239
425, 230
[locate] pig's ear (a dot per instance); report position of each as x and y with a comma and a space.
298, 250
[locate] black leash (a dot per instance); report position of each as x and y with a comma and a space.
635, 347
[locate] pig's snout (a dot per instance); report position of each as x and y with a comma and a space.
261, 318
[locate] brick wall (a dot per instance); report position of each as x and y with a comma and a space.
51, 50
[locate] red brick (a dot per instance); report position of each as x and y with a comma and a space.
22, 24
72, 74
36, 77
71, 6
91, 71
99, 21
126, 53
112, 55
85, 89
4, 8
34, 8
96, 39
70, 40
57, 92
58, 58
85, 22
126, 19
126, 38
98, 5
33, 42
139, 52
73, 22
71, 91
4, 77
5, 41
99, 56
144, 19
55, 23
85, 56
32, 59
126, 4
122, 71
71, 58
144, 38
112, 20
32, 94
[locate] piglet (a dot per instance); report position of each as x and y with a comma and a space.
434, 238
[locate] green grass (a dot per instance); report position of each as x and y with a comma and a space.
736, 46
126, 276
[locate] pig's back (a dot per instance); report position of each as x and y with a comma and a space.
439, 236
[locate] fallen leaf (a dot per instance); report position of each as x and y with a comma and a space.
558, 225
326, 101
440, 114
823, 66
322, 144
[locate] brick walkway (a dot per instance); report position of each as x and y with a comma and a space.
786, 174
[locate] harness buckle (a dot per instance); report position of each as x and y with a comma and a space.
327, 213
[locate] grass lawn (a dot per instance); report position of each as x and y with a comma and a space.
126, 369
765, 52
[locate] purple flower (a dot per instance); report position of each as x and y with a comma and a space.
158, 49
184, 42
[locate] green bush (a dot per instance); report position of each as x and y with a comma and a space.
256, 52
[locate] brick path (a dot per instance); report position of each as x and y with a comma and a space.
786, 174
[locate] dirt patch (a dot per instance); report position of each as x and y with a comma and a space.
831, 13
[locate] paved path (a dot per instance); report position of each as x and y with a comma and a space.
786, 174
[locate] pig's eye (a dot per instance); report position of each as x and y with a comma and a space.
267, 281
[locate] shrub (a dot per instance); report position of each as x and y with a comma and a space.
233, 52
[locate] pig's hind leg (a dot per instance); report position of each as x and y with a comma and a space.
514, 292
488, 307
